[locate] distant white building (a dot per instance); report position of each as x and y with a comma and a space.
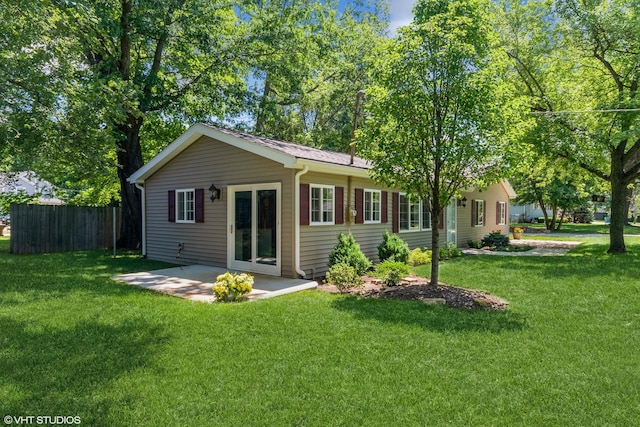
525, 213
30, 184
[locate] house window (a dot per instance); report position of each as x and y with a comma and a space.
185, 205
371, 206
426, 217
478, 213
502, 213
322, 204
409, 214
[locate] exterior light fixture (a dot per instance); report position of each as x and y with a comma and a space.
215, 193
462, 202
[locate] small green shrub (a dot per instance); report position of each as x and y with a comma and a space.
393, 248
393, 278
419, 257
232, 286
381, 270
347, 251
495, 239
344, 277
449, 252
474, 244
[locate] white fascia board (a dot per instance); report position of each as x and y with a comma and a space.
193, 134
333, 169
509, 189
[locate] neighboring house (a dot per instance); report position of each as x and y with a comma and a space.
525, 213
282, 205
30, 184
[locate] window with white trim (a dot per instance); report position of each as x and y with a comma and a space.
185, 205
413, 216
478, 213
426, 217
502, 213
372, 206
322, 204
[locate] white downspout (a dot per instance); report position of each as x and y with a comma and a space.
296, 224
144, 219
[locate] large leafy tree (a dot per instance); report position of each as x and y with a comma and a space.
579, 64
102, 70
434, 114
314, 63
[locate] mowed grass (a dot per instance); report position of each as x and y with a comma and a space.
75, 343
598, 227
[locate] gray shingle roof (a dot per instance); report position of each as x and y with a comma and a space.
298, 151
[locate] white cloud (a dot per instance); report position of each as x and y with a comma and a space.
400, 13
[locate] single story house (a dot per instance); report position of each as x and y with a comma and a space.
29, 183
225, 198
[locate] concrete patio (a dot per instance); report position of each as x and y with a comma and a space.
194, 282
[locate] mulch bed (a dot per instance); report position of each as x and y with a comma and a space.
419, 289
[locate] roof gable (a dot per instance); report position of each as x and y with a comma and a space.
288, 154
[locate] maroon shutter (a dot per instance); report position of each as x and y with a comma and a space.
199, 214
473, 213
441, 220
172, 206
395, 212
359, 206
383, 208
497, 213
304, 204
339, 199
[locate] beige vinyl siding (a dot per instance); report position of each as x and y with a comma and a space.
316, 241
205, 162
493, 194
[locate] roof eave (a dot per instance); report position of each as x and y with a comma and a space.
332, 168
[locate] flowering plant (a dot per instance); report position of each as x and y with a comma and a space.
232, 286
517, 229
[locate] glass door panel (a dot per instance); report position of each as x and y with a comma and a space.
266, 238
243, 225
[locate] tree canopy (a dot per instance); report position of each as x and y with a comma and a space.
578, 63
435, 114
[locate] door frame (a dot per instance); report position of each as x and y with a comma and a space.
452, 211
253, 266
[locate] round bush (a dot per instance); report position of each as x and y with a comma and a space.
393, 248
347, 251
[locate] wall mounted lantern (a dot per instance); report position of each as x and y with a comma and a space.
215, 193
462, 202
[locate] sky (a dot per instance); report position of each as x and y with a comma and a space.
399, 10
400, 13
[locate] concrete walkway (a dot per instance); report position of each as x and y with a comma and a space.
194, 282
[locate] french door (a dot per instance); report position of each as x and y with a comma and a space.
254, 228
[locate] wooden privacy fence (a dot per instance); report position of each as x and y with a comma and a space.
41, 229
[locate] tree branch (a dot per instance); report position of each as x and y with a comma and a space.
586, 167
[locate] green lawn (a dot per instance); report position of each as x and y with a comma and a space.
598, 227
75, 343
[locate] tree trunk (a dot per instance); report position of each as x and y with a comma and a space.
436, 210
129, 160
618, 206
544, 212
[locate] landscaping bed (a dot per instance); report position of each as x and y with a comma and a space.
418, 289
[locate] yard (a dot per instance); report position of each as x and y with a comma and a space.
75, 343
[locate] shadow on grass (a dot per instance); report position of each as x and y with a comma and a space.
435, 318
51, 370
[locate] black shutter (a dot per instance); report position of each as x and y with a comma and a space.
304, 204
172, 206
199, 214
339, 199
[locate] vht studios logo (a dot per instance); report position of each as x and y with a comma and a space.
41, 419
